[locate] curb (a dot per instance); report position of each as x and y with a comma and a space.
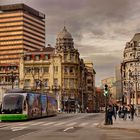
102, 126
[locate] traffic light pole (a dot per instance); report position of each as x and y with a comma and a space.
106, 103
106, 121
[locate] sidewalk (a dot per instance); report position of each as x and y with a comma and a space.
119, 123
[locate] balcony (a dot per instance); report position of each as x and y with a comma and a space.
47, 87
55, 87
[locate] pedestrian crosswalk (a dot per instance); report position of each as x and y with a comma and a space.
24, 125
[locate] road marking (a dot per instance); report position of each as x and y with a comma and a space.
17, 128
49, 123
37, 123
59, 123
25, 123
68, 129
94, 124
71, 124
83, 124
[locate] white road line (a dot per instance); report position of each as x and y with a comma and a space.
25, 123
61, 123
83, 124
68, 129
70, 124
17, 128
94, 124
49, 123
37, 123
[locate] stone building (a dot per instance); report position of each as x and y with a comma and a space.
69, 69
40, 70
59, 71
118, 84
90, 83
130, 71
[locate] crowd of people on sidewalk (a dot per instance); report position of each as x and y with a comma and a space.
123, 112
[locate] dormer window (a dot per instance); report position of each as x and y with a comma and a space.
28, 57
37, 57
47, 56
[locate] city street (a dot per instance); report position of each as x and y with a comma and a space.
63, 126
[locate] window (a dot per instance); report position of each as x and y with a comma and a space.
36, 70
65, 83
71, 70
71, 83
27, 82
47, 56
27, 70
89, 81
72, 57
66, 69
37, 57
55, 82
28, 57
46, 69
46, 82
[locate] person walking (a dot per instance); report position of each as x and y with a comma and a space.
125, 113
132, 112
110, 114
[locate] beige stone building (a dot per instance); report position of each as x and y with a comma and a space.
118, 84
90, 84
130, 71
59, 71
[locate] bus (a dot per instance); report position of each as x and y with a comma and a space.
18, 104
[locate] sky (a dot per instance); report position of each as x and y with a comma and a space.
100, 28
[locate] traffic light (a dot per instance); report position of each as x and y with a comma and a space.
106, 90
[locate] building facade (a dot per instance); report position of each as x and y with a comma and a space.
21, 29
130, 71
118, 84
70, 70
90, 83
59, 71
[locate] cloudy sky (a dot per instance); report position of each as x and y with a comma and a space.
100, 28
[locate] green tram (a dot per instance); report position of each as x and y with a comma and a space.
19, 104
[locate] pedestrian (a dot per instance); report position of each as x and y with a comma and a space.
109, 115
87, 110
114, 112
132, 112
124, 113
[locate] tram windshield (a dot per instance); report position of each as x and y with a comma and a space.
12, 104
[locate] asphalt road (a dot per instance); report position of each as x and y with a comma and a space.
63, 127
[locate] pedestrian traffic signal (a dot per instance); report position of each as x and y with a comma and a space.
106, 90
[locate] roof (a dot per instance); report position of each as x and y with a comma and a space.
21, 6
136, 37
64, 34
47, 49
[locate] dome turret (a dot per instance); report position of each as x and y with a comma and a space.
64, 34
64, 41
